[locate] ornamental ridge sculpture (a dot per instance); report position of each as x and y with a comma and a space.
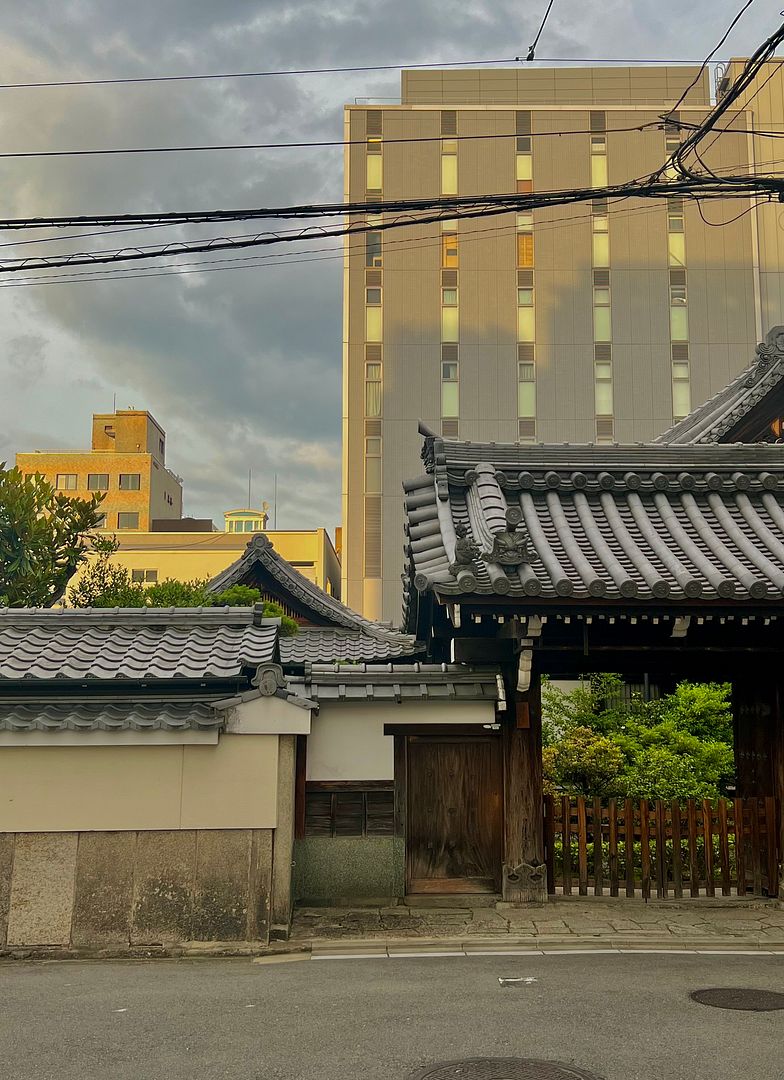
510, 548
466, 552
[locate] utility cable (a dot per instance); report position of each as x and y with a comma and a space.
532, 48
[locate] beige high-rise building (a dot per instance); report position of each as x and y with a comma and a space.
585, 323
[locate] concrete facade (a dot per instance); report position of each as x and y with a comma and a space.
514, 304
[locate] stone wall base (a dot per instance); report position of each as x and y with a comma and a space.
134, 893
355, 868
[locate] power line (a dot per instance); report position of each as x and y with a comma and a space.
434, 64
708, 58
532, 48
303, 145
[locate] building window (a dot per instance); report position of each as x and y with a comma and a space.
101, 521
372, 389
526, 390
523, 131
373, 466
524, 173
672, 134
602, 324
373, 324
374, 180
601, 240
450, 324
161, 446
449, 297
372, 248
449, 250
681, 391
448, 167
450, 390
679, 313
97, 481
130, 481
149, 576
126, 520
525, 240
603, 388
66, 481
372, 296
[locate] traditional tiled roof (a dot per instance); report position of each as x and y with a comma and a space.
398, 682
321, 608
109, 716
715, 420
645, 522
133, 643
325, 644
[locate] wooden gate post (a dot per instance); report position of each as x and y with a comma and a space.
524, 872
778, 775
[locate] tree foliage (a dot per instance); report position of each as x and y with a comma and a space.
105, 584
678, 746
44, 536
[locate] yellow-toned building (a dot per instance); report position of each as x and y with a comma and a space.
189, 556
126, 463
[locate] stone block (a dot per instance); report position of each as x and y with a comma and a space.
165, 877
221, 901
42, 889
103, 897
6, 866
260, 884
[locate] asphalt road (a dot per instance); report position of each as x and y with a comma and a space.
624, 1017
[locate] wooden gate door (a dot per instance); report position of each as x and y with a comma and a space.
454, 814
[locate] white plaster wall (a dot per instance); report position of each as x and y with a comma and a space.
347, 740
232, 785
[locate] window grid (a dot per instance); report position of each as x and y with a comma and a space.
679, 309
602, 297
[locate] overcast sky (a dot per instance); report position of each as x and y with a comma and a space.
240, 366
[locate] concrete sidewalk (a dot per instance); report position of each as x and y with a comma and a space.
574, 923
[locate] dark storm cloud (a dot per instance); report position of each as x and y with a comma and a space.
242, 367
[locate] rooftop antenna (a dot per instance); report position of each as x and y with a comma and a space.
532, 48
114, 402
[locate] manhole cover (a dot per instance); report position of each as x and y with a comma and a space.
502, 1069
732, 997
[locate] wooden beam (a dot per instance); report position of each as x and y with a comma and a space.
484, 650
524, 874
300, 775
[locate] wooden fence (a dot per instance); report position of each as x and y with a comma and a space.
612, 847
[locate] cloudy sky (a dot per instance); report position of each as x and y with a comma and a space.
241, 366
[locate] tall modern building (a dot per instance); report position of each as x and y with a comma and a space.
587, 323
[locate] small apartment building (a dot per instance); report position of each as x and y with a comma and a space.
126, 463
589, 323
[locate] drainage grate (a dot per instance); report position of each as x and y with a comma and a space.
502, 1069
735, 997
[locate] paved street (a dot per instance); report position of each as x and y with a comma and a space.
625, 1017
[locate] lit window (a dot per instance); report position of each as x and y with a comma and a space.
373, 466
372, 390
374, 181
526, 324
66, 482
525, 297
598, 171
598, 144
450, 391
449, 250
449, 174
449, 324
676, 245
601, 240
129, 481
373, 323
525, 249
524, 173
449, 297
126, 520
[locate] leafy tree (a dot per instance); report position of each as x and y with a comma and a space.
44, 536
679, 746
106, 584
585, 763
